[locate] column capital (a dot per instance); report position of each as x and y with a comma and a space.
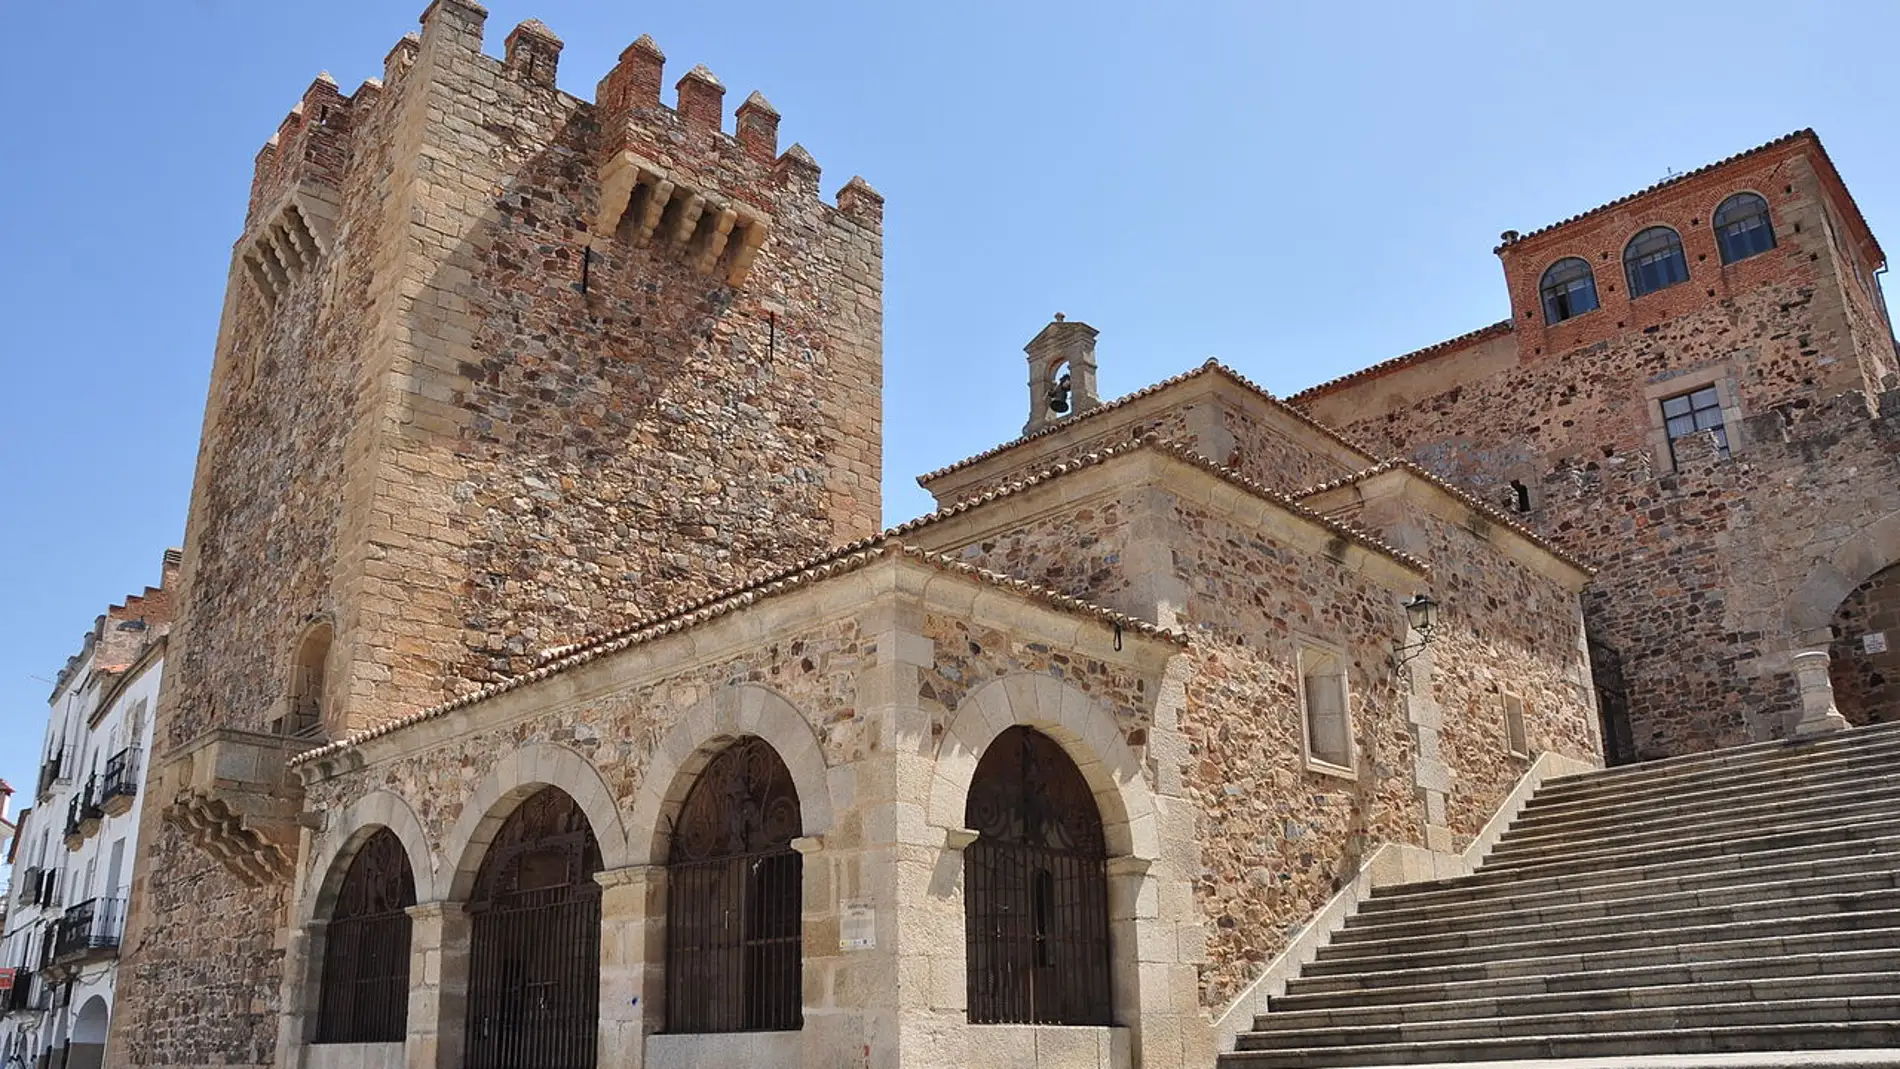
808, 844
1818, 714
958, 838
629, 874
424, 911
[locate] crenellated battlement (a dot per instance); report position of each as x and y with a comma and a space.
312, 143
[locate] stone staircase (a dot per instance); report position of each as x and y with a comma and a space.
1740, 901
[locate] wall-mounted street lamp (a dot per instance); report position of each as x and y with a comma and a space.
1421, 613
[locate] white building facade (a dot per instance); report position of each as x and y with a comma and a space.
73, 862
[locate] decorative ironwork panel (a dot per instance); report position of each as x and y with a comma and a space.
364, 996
534, 942
1035, 889
735, 893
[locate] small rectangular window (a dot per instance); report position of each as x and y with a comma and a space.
1515, 738
1691, 413
1326, 708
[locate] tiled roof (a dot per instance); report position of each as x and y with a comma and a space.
1477, 504
1785, 139
1149, 391
845, 559
1498, 329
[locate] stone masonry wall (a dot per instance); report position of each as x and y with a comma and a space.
1276, 836
439, 441
1775, 333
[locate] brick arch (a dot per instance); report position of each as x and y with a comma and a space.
1829, 581
741, 709
513, 779
1085, 729
356, 822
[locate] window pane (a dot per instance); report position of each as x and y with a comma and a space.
1708, 417
1681, 425
1704, 398
1676, 406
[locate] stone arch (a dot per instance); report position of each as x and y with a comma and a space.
1828, 582
699, 736
1085, 729
355, 824
89, 1024
507, 785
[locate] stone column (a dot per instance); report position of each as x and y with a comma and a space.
632, 923
303, 977
438, 985
1818, 714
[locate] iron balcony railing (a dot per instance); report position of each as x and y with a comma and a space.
95, 924
122, 775
84, 807
58, 768
20, 995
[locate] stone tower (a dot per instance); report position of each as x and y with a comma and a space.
498, 367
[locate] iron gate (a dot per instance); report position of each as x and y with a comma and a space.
364, 997
1035, 889
735, 894
534, 942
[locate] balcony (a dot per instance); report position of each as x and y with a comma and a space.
88, 932
83, 815
121, 783
20, 995
57, 769
32, 884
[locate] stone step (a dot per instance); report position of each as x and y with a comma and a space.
1493, 1004
1494, 917
1704, 765
1593, 854
1685, 944
1549, 977
1883, 1008
1753, 1037
1700, 924
1849, 935
1771, 798
1600, 788
1880, 855
1787, 817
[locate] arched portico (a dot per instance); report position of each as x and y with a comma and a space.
511, 781
1811, 610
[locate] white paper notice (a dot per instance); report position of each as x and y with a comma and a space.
1874, 643
857, 926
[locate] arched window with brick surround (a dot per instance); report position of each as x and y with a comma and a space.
1743, 228
1568, 289
735, 898
1035, 888
1653, 260
364, 994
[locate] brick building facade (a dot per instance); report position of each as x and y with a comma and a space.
1720, 564
547, 694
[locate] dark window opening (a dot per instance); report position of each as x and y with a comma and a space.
1743, 228
1653, 260
1520, 496
534, 941
1035, 889
1568, 289
364, 996
1693, 413
735, 895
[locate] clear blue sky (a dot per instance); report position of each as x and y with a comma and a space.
1297, 189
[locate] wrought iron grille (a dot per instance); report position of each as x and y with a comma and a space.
735, 893
122, 774
1035, 889
94, 924
364, 997
534, 942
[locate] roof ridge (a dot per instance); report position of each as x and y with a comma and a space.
1498, 329
1209, 365
1784, 139
844, 560
1489, 511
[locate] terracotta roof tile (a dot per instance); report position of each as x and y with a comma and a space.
838, 562
1149, 391
1495, 330
1477, 504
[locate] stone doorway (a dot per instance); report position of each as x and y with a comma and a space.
1864, 655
